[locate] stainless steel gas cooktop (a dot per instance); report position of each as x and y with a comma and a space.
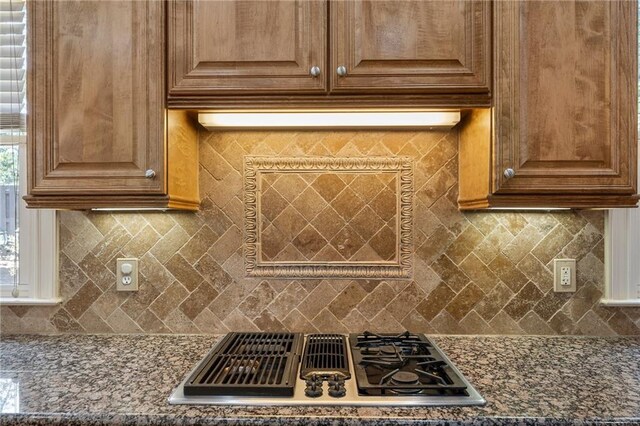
326, 369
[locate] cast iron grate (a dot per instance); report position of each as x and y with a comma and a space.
249, 364
325, 355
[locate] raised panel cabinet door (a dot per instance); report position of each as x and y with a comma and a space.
415, 46
219, 47
95, 97
565, 97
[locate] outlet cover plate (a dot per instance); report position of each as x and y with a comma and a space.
558, 265
133, 274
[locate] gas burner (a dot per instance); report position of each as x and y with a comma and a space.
402, 379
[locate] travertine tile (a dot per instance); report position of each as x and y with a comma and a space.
384, 244
550, 303
122, 323
523, 301
296, 321
494, 301
552, 244
492, 245
169, 244
109, 246
621, 324
583, 242
582, 301
146, 238
508, 273
464, 244
504, 324
266, 321
137, 302
405, 301
385, 322
309, 204
71, 275
102, 276
522, 244
198, 244
347, 300
198, 300
455, 278
92, 322
167, 301
326, 322
151, 323
464, 301
536, 272
257, 300
482, 276
435, 301
473, 323
473, 272
533, 324
328, 185
591, 324
184, 272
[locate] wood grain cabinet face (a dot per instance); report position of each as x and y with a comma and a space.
563, 129
95, 97
411, 45
249, 47
565, 98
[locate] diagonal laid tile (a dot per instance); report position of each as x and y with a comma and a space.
523, 301
494, 301
449, 272
346, 300
464, 301
328, 185
435, 301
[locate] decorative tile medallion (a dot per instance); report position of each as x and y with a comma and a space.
319, 217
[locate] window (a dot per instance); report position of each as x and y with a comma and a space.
28, 240
622, 249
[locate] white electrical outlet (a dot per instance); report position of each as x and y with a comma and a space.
564, 275
127, 274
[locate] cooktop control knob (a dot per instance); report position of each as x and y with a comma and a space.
313, 390
336, 379
337, 390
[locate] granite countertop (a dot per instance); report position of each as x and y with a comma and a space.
126, 379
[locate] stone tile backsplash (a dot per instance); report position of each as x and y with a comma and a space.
480, 273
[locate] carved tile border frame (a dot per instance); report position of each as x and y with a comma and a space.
403, 166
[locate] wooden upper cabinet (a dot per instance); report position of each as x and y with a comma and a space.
246, 47
259, 54
97, 126
565, 117
411, 46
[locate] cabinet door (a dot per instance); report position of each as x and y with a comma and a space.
95, 97
411, 46
565, 97
225, 47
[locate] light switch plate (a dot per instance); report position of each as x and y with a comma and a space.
127, 274
564, 275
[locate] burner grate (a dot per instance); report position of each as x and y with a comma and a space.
248, 364
403, 364
325, 355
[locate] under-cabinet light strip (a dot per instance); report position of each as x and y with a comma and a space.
332, 119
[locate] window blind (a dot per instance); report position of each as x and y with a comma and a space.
12, 64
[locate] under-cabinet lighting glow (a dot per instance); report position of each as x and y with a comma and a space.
528, 209
331, 119
129, 209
